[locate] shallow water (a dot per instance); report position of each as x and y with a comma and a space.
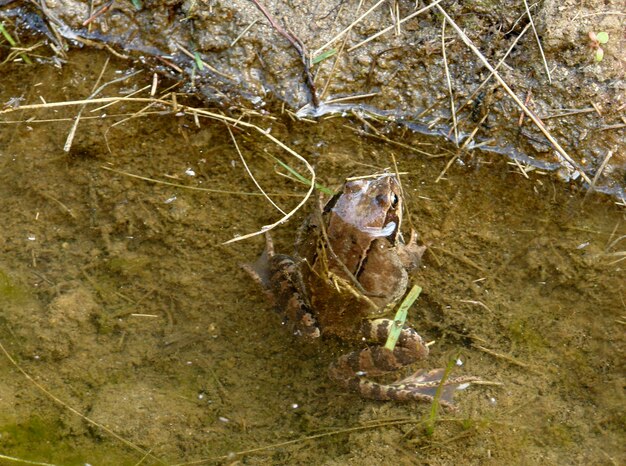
119, 299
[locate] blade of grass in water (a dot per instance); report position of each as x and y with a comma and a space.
400, 317
11, 41
429, 425
301, 178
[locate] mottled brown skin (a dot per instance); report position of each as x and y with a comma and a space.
352, 267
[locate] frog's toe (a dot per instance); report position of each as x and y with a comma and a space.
374, 361
425, 383
421, 386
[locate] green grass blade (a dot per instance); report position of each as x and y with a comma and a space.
301, 178
11, 41
400, 317
323, 56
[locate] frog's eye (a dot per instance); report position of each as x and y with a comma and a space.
394, 200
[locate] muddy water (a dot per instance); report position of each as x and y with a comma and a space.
119, 301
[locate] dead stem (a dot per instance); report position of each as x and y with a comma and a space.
254, 180
568, 113
406, 18
515, 98
23, 461
470, 138
350, 98
448, 165
337, 57
598, 173
72, 133
372, 425
300, 48
212, 68
488, 78
478, 303
460, 258
520, 122
522, 170
70, 137
243, 33
190, 188
132, 94
382, 137
507, 358
94, 117
543, 56
348, 29
63, 206
447, 70
612, 242
100, 11
196, 112
60, 402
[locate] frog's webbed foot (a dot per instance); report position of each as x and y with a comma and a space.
423, 386
376, 360
411, 253
352, 369
279, 276
261, 270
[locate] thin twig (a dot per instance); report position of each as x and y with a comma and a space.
72, 133
470, 138
242, 33
23, 461
478, 303
348, 29
505, 357
194, 57
350, 98
190, 188
298, 45
69, 408
245, 165
100, 11
384, 138
599, 173
445, 65
517, 100
406, 18
568, 113
488, 78
543, 56
448, 165
214, 116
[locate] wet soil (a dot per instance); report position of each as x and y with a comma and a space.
119, 300
407, 74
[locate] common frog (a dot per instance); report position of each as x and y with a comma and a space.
351, 266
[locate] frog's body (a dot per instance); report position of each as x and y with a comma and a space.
352, 266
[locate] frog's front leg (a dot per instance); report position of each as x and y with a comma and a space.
352, 370
279, 276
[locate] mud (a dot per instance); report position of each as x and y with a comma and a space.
399, 77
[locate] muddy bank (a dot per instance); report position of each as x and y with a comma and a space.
397, 77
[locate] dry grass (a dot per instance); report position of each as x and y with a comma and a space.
169, 101
66, 406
